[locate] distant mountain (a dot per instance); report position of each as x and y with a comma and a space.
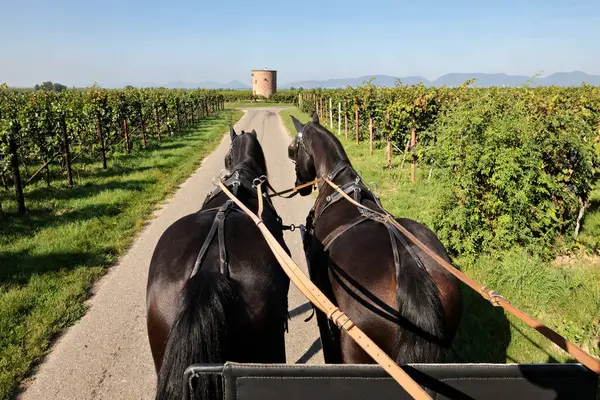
233, 85
483, 80
380, 80
570, 79
455, 79
206, 85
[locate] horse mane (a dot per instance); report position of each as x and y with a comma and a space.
329, 137
254, 156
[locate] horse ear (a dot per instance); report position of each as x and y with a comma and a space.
231, 132
315, 118
253, 133
297, 124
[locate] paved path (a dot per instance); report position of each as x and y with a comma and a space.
106, 355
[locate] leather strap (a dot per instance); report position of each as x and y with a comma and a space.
337, 169
295, 189
218, 228
395, 250
202, 252
221, 234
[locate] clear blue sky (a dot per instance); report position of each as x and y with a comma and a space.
77, 42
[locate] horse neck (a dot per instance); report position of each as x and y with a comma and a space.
250, 169
327, 154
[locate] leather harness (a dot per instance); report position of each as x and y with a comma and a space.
235, 181
359, 192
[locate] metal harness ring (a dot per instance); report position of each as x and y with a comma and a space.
259, 181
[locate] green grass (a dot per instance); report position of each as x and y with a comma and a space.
50, 258
253, 104
567, 298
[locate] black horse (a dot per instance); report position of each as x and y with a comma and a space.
407, 303
215, 291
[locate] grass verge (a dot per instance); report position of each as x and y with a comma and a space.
566, 298
50, 258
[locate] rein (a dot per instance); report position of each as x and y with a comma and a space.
489, 294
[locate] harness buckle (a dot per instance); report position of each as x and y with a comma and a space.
258, 181
371, 215
290, 227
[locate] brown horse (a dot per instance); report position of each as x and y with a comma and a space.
407, 303
215, 291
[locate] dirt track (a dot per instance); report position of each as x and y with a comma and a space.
106, 354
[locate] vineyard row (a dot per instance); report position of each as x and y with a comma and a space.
44, 127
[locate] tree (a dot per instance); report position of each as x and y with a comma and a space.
55, 87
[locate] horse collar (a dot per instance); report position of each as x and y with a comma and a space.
342, 165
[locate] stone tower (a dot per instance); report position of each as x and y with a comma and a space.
264, 82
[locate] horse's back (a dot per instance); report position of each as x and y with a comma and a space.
253, 271
366, 254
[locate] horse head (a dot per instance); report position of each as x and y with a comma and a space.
245, 149
300, 153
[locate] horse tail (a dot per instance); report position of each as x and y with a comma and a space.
423, 340
199, 335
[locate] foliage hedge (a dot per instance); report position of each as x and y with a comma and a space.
518, 164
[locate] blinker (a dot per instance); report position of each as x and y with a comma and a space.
293, 151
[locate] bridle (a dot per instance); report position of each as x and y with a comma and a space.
229, 155
294, 148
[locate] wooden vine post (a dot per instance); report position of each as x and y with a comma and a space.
346, 117
63, 125
101, 139
157, 123
127, 146
144, 140
356, 118
371, 135
339, 118
318, 107
413, 143
321, 108
330, 113
388, 149
14, 163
